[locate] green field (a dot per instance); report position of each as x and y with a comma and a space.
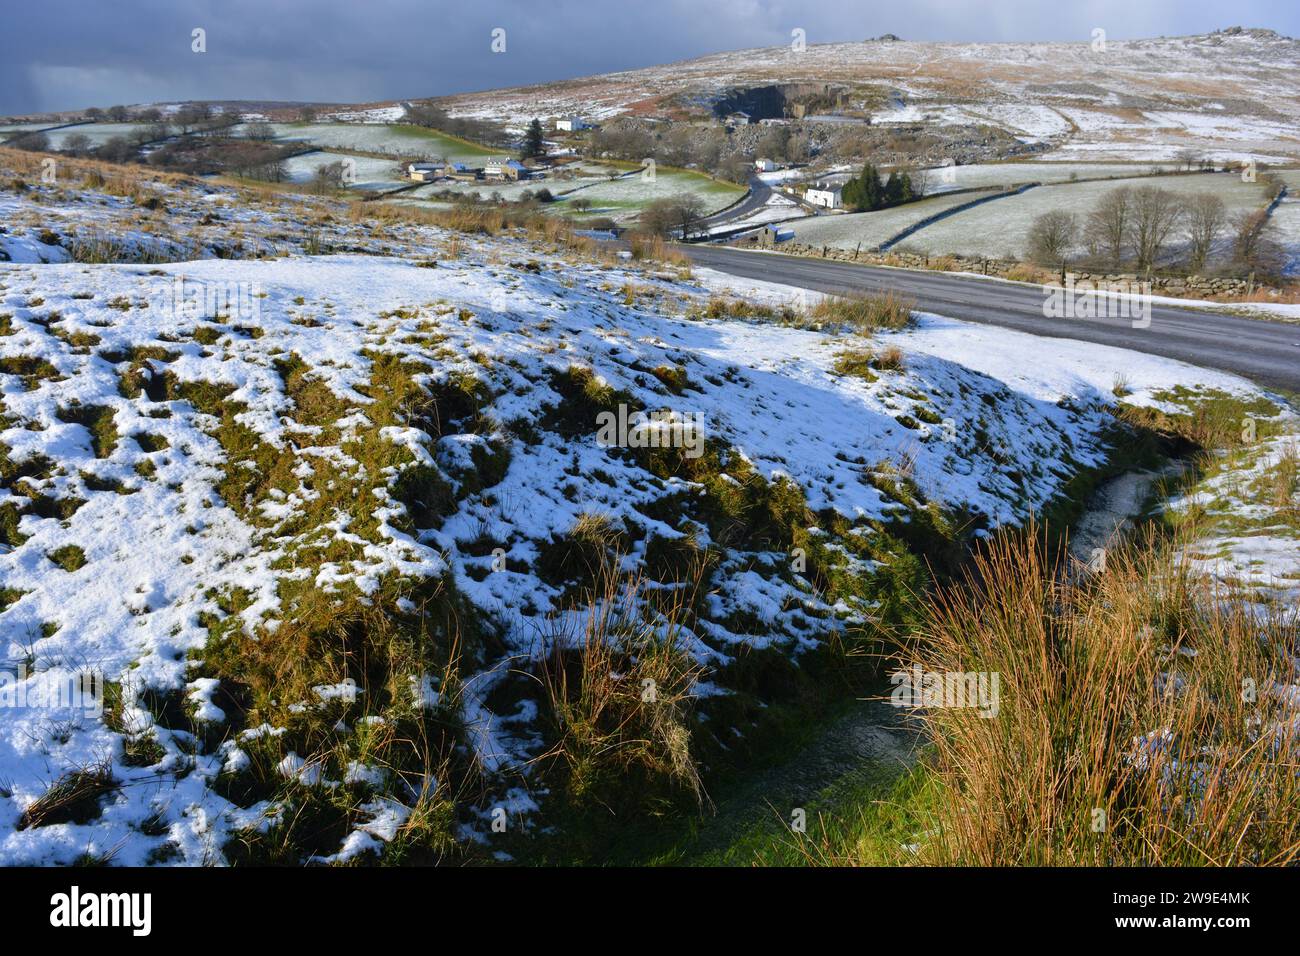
623, 199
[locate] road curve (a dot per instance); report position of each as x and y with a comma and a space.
754, 200
1263, 351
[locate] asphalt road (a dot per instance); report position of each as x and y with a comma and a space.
759, 193
1263, 351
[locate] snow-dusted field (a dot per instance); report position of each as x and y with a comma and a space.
1284, 223
1250, 504
623, 199
97, 133
368, 172
869, 229
10, 128
1000, 228
393, 139
942, 178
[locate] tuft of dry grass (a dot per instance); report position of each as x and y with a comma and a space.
1286, 481
1024, 272
618, 689
866, 312
654, 248
1138, 721
890, 359
73, 798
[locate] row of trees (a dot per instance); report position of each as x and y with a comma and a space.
867, 192
120, 114
1137, 225
433, 117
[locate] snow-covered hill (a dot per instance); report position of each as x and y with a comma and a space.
1231, 94
318, 521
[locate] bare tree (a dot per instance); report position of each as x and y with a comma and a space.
1253, 248
1107, 225
1205, 217
36, 142
118, 149
676, 214
329, 176
1155, 214
1052, 237
1248, 234
78, 144
689, 207
260, 131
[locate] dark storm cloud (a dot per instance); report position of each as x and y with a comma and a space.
64, 55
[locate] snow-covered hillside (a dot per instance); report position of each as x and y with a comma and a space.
1227, 95
233, 488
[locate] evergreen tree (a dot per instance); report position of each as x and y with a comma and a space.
872, 197
533, 141
851, 195
906, 191
893, 192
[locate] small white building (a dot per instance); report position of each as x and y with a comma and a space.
766, 165
825, 195
571, 124
426, 172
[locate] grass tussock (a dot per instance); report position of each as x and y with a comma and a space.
73, 798
96, 247
1138, 722
118, 179
618, 691
70, 557
855, 362
864, 313
655, 249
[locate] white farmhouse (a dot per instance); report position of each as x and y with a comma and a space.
822, 194
571, 124
766, 165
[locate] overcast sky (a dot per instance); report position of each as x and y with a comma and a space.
67, 54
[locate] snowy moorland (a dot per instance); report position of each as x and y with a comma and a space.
1228, 95
322, 502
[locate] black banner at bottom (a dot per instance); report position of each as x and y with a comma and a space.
337, 905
